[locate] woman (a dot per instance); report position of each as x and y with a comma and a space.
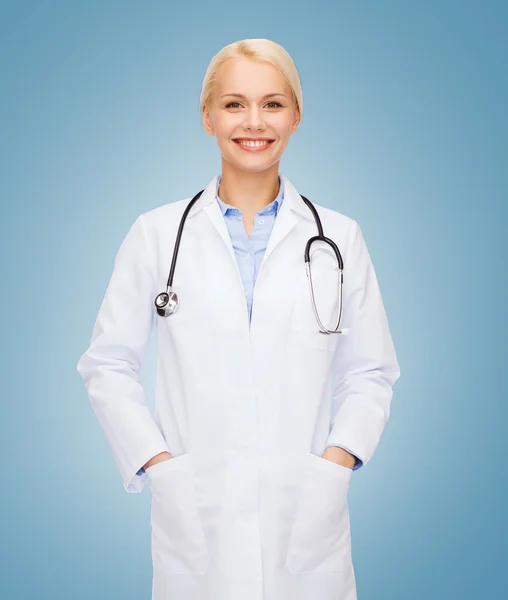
260, 418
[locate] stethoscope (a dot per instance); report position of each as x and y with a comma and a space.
166, 303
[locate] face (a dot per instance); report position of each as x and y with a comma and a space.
265, 110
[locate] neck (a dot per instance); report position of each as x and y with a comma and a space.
249, 192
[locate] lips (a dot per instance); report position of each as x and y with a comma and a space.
260, 148
253, 140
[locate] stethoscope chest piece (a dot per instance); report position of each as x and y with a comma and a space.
166, 303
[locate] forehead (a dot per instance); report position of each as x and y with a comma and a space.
250, 77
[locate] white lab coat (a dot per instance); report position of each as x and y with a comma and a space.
247, 509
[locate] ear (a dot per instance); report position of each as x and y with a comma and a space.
207, 121
296, 121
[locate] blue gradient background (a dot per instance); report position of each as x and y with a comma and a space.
404, 129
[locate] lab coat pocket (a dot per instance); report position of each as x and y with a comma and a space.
320, 540
178, 540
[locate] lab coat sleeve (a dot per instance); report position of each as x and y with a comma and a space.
364, 366
111, 366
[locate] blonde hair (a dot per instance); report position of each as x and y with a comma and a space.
256, 49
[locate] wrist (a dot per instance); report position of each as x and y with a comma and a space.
162, 456
340, 456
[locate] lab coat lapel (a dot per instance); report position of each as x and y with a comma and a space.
208, 203
288, 216
279, 280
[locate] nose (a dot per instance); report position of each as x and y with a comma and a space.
254, 119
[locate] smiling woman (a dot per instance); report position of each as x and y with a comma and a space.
251, 452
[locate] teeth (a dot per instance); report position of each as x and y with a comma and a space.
252, 144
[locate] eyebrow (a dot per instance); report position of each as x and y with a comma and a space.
265, 96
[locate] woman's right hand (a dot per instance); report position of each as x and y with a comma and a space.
161, 457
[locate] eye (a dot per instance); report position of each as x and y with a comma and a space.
272, 102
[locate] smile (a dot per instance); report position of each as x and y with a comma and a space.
253, 146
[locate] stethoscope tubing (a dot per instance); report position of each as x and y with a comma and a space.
166, 303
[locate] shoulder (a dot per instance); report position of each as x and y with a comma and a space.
337, 224
163, 216
150, 229
165, 211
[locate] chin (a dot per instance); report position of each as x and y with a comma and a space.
260, 168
